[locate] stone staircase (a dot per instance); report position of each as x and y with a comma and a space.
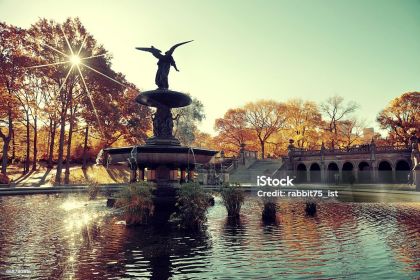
248, 175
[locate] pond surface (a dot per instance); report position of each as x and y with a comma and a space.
67, 237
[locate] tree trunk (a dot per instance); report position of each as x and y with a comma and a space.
6, 142
35, 142
85, 146
13, 147
61, 145
262, 149
67, 171
28, 144
47, 147
52, 142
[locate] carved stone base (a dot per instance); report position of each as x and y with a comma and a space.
164, 200
163, 141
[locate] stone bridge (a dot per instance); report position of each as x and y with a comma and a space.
359, 164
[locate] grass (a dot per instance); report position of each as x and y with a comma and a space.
99, 173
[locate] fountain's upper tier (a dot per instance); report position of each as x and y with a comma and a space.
164, 97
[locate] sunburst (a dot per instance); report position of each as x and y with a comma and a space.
76, 61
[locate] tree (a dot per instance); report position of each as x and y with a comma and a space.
117, 119
336, 111
304, 121
82, 86
31, 99
400, 117
351, 132
265, 118
204, 140
12, 62
186, 120
233, 131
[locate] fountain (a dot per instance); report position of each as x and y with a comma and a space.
162, 156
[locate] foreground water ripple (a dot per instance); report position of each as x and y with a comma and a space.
68, 237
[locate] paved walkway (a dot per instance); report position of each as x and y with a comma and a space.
54, 189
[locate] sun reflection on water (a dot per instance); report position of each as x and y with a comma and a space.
80, 219
70, 205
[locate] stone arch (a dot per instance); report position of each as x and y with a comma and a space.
347, 172
402, 169
315, 173
364, 170
333, 173
301, 173
385, 172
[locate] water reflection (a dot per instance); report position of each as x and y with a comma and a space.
70, 237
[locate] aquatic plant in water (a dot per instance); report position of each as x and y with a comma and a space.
310, 208
233, 197
93, 190
192, 203
269, 210
136, 201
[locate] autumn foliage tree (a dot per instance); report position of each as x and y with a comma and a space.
268, 125
233, 131
12, 63
304, 121
401, 117
57, 81
265, 118
336, 111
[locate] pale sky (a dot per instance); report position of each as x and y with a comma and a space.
366, 51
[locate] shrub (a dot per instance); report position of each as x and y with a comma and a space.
233, 197
136, 200
192, 203
4, 179
93, 190
270, 210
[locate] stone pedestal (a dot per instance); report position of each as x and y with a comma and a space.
226, 177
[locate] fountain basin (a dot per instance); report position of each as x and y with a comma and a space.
165, 97
154, 155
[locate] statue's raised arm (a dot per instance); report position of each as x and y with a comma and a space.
164, 64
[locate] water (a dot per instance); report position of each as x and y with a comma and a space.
68, 237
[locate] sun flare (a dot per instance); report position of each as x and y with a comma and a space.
75, 60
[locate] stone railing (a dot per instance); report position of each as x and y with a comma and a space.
360, 149
250, 154
226, 163
390, 149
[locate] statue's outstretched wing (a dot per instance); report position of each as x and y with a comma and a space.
156, 52
171, 50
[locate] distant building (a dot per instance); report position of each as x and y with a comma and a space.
368, 134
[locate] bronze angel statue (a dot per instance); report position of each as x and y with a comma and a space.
164, 64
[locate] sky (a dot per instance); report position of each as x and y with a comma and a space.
246, 50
